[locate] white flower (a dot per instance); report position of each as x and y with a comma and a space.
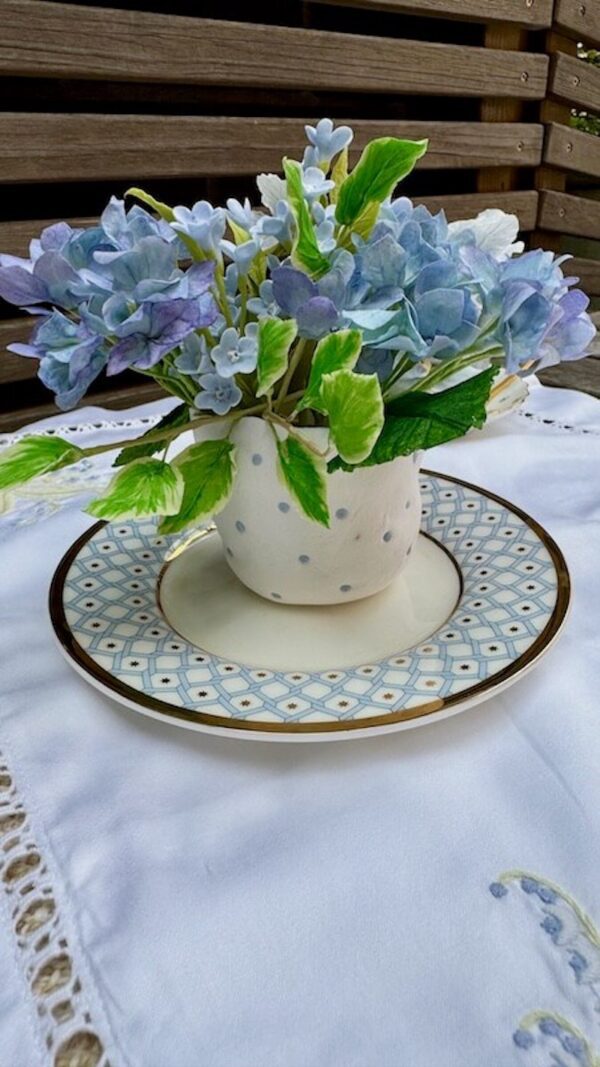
494, 231
272, 189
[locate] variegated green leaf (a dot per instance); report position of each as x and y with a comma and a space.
334, 352
145, 488
354, 406
305, 249
275, 336
383, 163
33, 456
178, 416
208, 470
305, 476
161, 209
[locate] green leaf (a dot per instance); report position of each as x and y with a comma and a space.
416, 421
179, 416
305, 476
208, 469
161, 209
335, 352
239, 234
305, 250
33, 456
146, 487
274, 339
383, 163
366, 220
339, 173
354, 405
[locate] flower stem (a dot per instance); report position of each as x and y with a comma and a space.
292, 368
170, 434
293, 432
450, 368
222, 299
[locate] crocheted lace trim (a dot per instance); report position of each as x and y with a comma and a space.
65, 1027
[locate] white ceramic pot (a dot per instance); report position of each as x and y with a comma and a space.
283, 556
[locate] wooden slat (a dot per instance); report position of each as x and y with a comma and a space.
55, 147
572, 149
575, 81
588, 272
576, 215
15, 368
579, 19
522, 204
70, 41
116, 399
582, 374
535, 14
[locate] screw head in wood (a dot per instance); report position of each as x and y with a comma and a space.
524, 76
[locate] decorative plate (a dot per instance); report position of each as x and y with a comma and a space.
484, 595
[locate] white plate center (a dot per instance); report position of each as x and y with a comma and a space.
206, 604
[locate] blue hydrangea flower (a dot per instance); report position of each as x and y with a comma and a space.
155, 328
204, 223
298, 297
275, 229
194, 357
235, 354
315, 184
242, 255
71, 357
264, 303
125, 228
49, 279
243, 215
325, 141
324, 219
218, 394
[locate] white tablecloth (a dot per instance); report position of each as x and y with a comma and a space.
169, 899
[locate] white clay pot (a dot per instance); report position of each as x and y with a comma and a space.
283, 556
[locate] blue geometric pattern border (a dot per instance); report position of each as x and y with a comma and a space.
514, 598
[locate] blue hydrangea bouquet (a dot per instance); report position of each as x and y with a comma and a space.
332, 305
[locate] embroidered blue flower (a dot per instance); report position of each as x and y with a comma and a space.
498, 890
326, 141
549, 1027
235, 354
579, 965
218, 394
553, 926
523, 1039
